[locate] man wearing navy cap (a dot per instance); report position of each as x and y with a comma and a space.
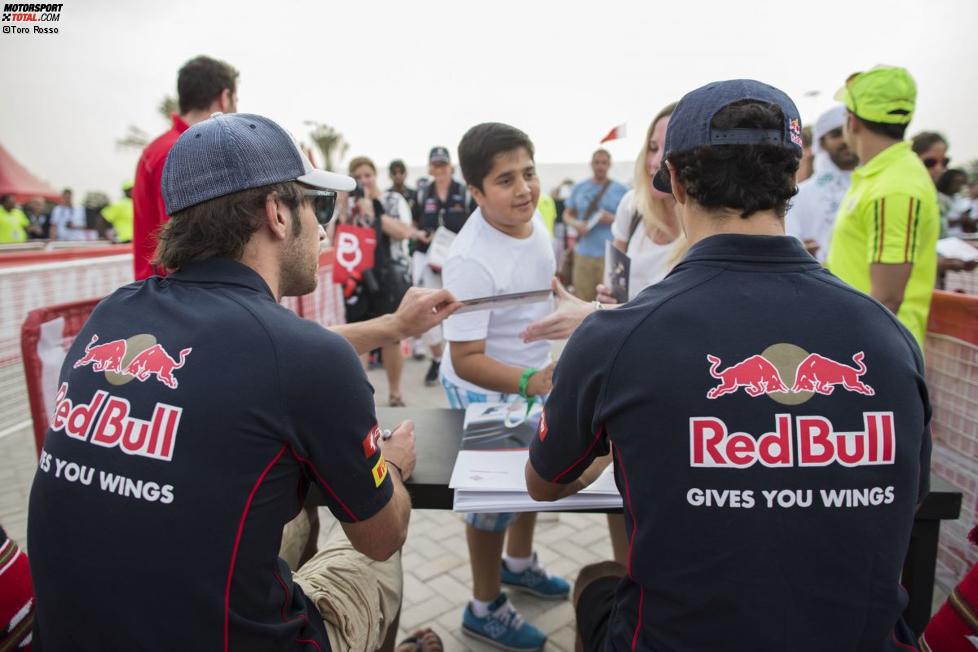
193, 414
768, 424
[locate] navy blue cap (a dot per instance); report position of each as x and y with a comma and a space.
689, 124
439, 154
229, 153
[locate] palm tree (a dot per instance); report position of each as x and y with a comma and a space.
329, 141
137, 138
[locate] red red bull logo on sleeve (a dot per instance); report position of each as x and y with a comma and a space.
811, 441
138, 358
765, 374
107, 421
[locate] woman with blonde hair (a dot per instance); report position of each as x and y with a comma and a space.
646, 227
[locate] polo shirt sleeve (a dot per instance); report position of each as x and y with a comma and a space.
892, 222
572, 432
467, 279
331, 407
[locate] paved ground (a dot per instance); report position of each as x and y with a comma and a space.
437, 579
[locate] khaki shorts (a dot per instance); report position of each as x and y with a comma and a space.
358, 598
587, 274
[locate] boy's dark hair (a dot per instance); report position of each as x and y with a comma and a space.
925, 140
397, 165
221, 226
748, 178
894, 132
201, 80
482, 143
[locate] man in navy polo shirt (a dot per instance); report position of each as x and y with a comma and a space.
193, 414
768, 424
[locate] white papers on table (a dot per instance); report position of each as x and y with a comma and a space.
956, 248
494, 481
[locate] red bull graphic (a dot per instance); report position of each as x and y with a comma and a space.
155, 361
819, 374
107, 421
814, 442
103, 357
150, 362
755, 374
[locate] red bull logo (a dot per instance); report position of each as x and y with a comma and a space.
134, 361
812, 442
155, 361
758, 375
103, 357
818, 374
755, 374
107, 421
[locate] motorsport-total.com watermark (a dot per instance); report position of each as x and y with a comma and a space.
30, 13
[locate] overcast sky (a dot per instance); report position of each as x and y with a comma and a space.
397, 77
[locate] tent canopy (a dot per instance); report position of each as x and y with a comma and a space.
17, 180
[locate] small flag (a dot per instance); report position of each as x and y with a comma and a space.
615, 134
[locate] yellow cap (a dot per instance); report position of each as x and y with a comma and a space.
885, 94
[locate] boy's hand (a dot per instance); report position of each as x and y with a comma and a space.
563, 321
542, 381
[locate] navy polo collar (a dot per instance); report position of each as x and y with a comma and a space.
731, 247
224, 271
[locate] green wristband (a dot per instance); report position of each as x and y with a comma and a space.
525, 380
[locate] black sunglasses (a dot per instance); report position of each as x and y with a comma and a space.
323, 202
931, 162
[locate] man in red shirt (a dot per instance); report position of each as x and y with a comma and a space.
204, 86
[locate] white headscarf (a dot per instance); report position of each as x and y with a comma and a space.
834, 118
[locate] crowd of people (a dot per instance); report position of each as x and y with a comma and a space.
38, 218
739, 530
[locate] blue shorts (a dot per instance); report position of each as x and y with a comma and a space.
459, 399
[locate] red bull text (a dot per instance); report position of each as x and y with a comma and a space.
814, 442
106, 421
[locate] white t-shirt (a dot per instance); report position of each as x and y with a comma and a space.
69, 220
484, 261
811, 213
396, 206
650, 262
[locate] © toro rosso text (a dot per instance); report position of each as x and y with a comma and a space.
814, 442
107, 421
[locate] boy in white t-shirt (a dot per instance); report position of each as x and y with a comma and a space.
504, 247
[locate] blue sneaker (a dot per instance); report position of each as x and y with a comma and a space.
537, 581
503, 627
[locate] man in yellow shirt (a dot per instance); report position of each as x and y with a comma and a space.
119, 215
12, 221
885, 237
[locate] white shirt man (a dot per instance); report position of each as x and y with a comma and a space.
811, 214
68, 221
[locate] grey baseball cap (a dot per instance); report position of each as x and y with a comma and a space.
228, 153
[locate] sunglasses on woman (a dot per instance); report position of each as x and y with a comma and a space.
931, 162
323, 202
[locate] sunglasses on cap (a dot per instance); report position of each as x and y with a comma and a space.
931, 162
323, 202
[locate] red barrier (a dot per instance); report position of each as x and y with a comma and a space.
48, 332
951, 357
